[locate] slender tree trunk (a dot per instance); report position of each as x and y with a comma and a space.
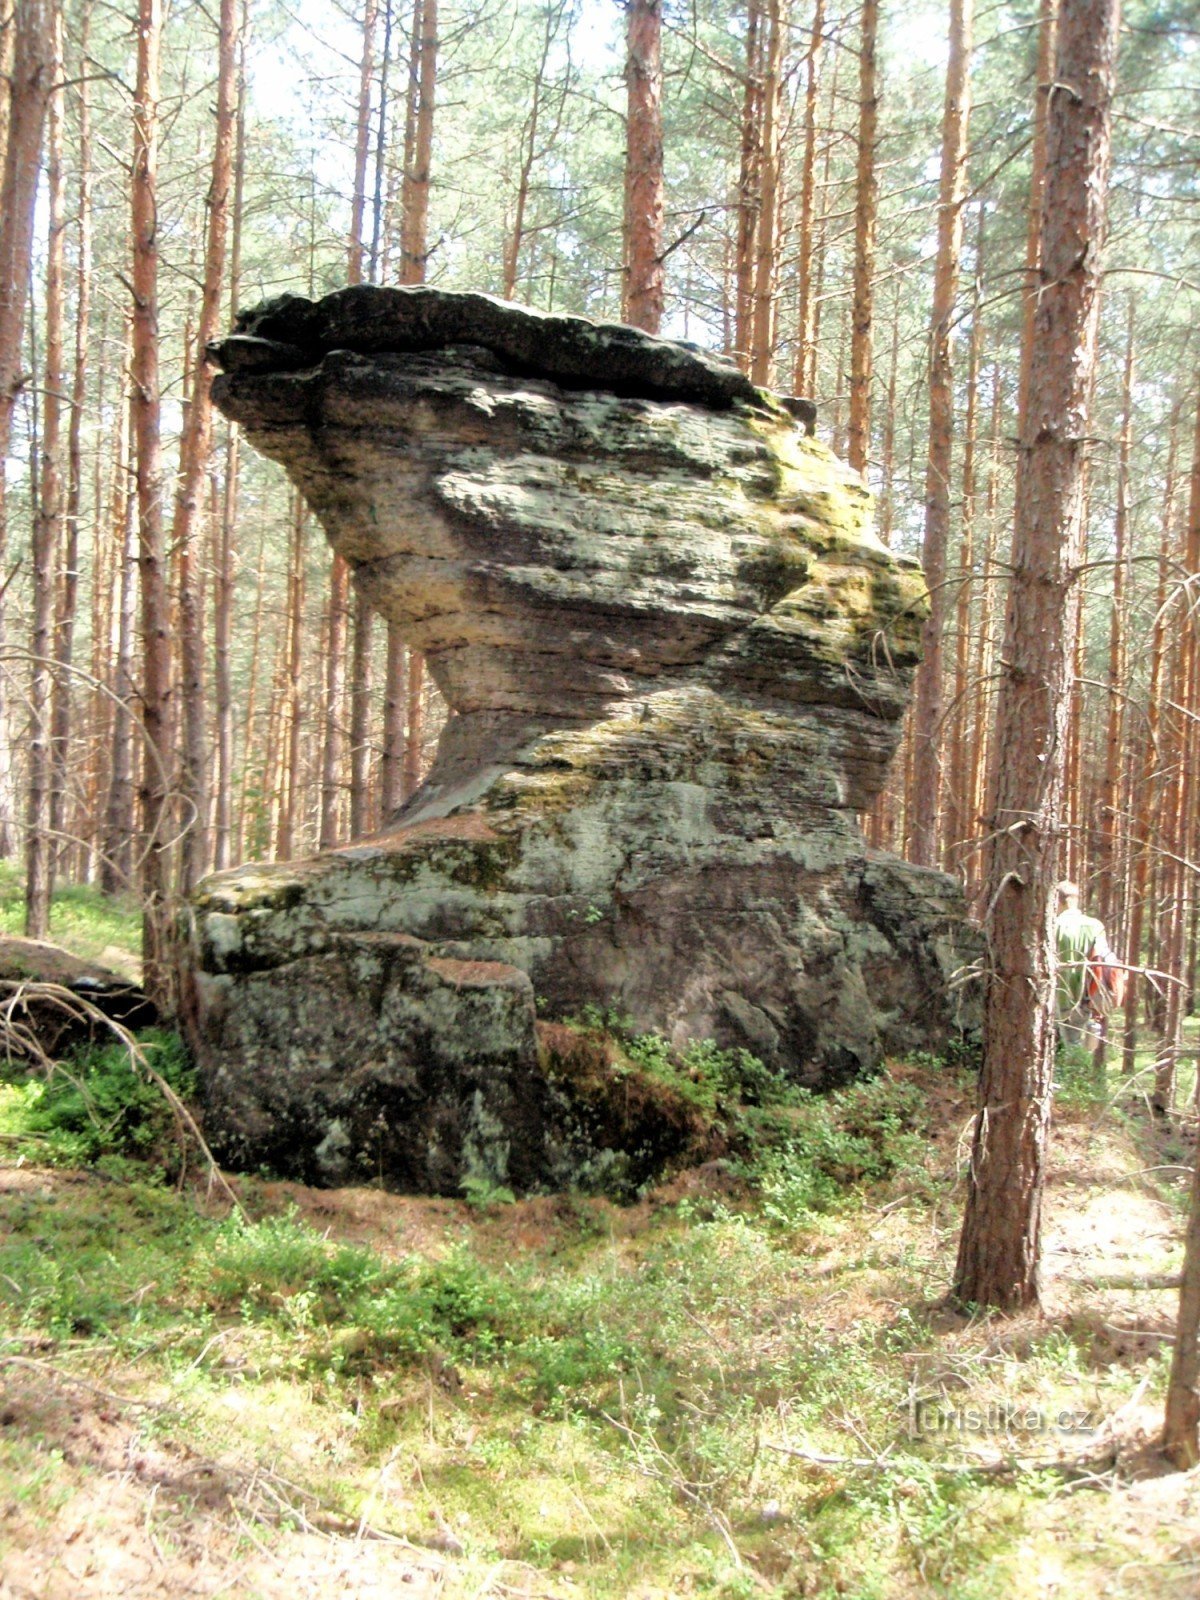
289, 805
362, 145
361, 687
1178, 815
414, 255
806, 301
156, 648
865, 208
1112, 829
1146, 824
762, 335
394, 750
116, 863
64, 645
29, 86
960, 820
414, 719
927, 715
226, 562
335, 695
1000, 1247
47, 526
749, 200
1181, 1427
645, 271
195, 450
1047, 40
415, 195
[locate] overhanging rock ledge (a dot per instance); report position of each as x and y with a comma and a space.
676, 658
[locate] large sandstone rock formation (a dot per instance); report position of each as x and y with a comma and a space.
676, 658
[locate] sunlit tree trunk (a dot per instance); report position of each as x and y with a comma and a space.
1112, 827
960, 821
195, 449
806, 298
1181, 1428
62, 693
28, 91
116, 861
414, 253
1000, 1248
645, 273
48, 522
927, 713
226, 556
1047, 39
762, 334
866, 204
156, 648
749, 191
1146, 820
293, 715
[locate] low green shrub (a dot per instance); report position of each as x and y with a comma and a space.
101, 1107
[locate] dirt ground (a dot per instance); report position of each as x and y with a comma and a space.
132, 1515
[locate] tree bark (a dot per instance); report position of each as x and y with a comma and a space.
156, 648
749, 193
28, 93
195, 450
414, 256
1112, 825
645, 269
762, 333
1000, 1246
927, 714
62, 693
806, 298
865, 209
48, 523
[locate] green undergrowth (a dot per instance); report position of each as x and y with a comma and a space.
101, 1108
606, 1395
92, 925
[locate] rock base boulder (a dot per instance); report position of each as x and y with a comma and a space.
675, 657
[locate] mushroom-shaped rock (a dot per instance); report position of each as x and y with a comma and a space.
675, 657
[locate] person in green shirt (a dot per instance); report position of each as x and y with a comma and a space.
1079, 937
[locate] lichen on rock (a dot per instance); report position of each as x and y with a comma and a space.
676, 657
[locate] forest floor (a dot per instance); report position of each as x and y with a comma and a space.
747, 1383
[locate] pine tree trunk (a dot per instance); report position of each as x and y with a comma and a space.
927, 714
806, 300
1145, 827
28, 94
116, 862
1112, 829
414, 252
865, 208
394, 749
749, 193
960, 820
1000, 1247
762, 333
645, 272
64, 644
195, 450
361, 687
335, 694
156, 648
48, 522
226, 555
289, 804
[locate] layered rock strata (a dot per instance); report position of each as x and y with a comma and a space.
676, 658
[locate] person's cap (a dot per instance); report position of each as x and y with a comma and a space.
1066, 888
